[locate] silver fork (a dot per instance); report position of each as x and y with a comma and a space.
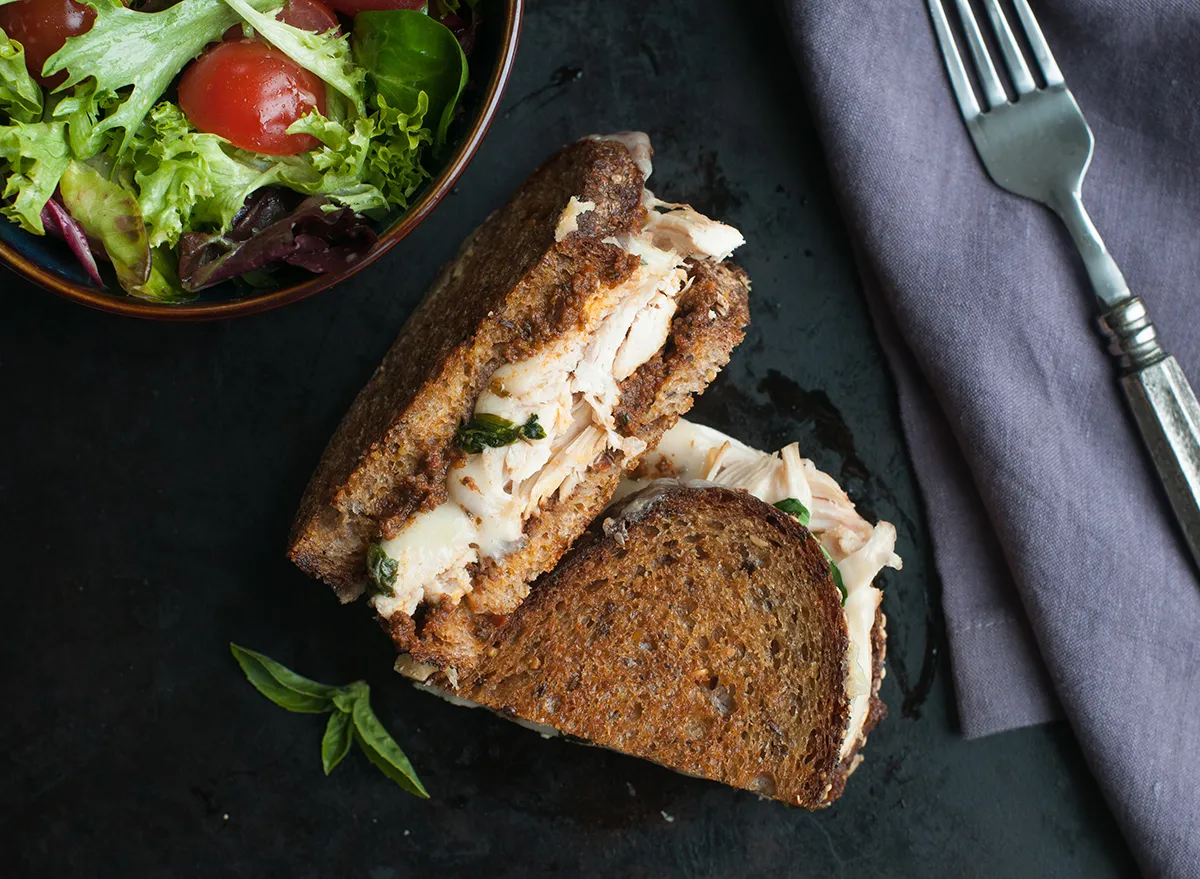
1039, 146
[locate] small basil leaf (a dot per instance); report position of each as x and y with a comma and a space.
282, 685
382, 569
339, 735
836, 573
531, 430
793, 507
492, 432
382, 750
346, 696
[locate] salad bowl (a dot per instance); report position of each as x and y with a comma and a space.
49, 262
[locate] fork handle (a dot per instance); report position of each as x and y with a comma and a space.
1164, 406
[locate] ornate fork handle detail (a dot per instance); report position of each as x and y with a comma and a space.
1164, 406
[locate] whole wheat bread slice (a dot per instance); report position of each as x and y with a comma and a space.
512, 288
696, 627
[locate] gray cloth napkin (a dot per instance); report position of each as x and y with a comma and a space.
1065, 582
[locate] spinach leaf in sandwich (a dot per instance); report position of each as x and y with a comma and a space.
801, 513
382, 569
492, 431
793, 507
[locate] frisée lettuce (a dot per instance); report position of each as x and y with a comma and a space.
133, 160
126, 48
20, 96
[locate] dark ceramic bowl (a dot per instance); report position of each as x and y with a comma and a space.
49, 262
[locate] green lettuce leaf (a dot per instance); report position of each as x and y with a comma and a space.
126, 48
163, 283
110, 214
33, 156
407, 53
394, 164
327, 55
367, 164
188, 180
20, 96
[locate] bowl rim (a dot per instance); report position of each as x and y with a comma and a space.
438, 189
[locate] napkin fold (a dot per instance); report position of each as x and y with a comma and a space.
1066, 586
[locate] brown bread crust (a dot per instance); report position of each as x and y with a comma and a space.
696, 627
707, 326
875, 713
511, 288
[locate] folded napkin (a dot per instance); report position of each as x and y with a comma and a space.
1066, 585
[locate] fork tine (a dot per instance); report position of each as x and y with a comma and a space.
1041, 49
967, 105
1017, 68
993, 89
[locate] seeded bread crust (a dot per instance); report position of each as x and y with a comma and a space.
511, 288
708, 324
876, 712
696, 627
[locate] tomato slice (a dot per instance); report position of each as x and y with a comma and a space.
354, 7
42, 26
249, 93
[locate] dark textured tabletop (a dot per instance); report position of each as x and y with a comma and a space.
148, 474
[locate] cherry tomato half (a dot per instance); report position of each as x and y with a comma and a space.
42, 26
309, 15
354, 7
249, 93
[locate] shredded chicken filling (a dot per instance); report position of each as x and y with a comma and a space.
691, 451
572, 386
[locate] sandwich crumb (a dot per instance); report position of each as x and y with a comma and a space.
670, 819
629, 786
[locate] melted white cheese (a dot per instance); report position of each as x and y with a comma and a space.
568, 220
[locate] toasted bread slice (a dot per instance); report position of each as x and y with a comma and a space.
548, 268
695, 626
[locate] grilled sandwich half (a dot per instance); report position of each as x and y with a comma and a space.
704, 628
570, 332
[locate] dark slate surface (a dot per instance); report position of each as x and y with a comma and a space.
150, 471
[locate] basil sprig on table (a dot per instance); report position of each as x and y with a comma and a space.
794, 508
350, 716
491, 432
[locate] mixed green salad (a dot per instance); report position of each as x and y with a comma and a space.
187, 143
